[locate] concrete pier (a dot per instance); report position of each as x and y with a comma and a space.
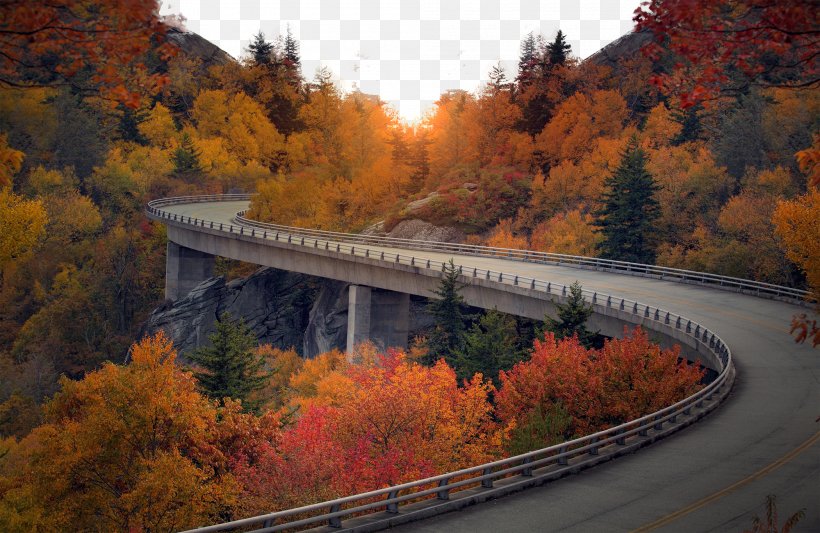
380, 316
185, 269
358, 315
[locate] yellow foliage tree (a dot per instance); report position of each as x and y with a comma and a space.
159, 127
22, 225
240, 124
124, 449
449, 135
578, 121
502, 236
316, 382
660, 127
571, 233
10, 161
797, 223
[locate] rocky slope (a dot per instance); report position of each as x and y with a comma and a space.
283, 309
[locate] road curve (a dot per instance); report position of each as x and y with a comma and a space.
712, 476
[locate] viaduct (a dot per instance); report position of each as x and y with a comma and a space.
712, 477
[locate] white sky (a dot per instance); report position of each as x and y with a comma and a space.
407, 51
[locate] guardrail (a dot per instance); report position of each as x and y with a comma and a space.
756, 288
440, 487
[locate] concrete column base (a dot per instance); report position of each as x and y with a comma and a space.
380, 316
185, 269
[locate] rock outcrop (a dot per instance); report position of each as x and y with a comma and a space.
275, 304
420, 230
327, 326
282, 308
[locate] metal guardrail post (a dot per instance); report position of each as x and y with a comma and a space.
443, 494
487, 483
527, 472
562, 458
335, 521
658, 424
392, 507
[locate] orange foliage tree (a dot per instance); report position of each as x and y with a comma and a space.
401, 421
571, 233
88, 44
502, 236
627, 378
129, 448
578, 121
797, 222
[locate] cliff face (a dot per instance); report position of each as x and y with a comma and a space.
273, 303
283, 309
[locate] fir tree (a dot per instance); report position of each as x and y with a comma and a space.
229, 367
291, 50
572, 318
629, 210
447, 338
420, 159
400, 152
261, 50
558, 50
498, 79
527, 60
489, 346
130, 120
689, 119
186, 156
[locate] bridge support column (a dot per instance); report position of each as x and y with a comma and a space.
185, 269
377, 315
358, 315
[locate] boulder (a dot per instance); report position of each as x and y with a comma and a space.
420, 230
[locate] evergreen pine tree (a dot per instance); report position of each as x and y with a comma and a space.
489, 346
498, 79
526, 61
447, 338
229, 367
420, 159
558, 50
186, 156
629, 210
261, 50
130, 120
689, 119
400, 153
572, 317
292, 52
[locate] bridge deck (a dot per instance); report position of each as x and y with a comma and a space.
771, 413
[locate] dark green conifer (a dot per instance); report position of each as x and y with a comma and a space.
447, 338
228, 368
558, 50
261, 50
629, 210
490, 345
292, 52
572, 317
186, 156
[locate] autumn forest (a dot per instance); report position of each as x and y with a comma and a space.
700, 153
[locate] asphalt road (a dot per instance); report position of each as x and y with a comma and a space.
712, 476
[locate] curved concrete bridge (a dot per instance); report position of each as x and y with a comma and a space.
713, 476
